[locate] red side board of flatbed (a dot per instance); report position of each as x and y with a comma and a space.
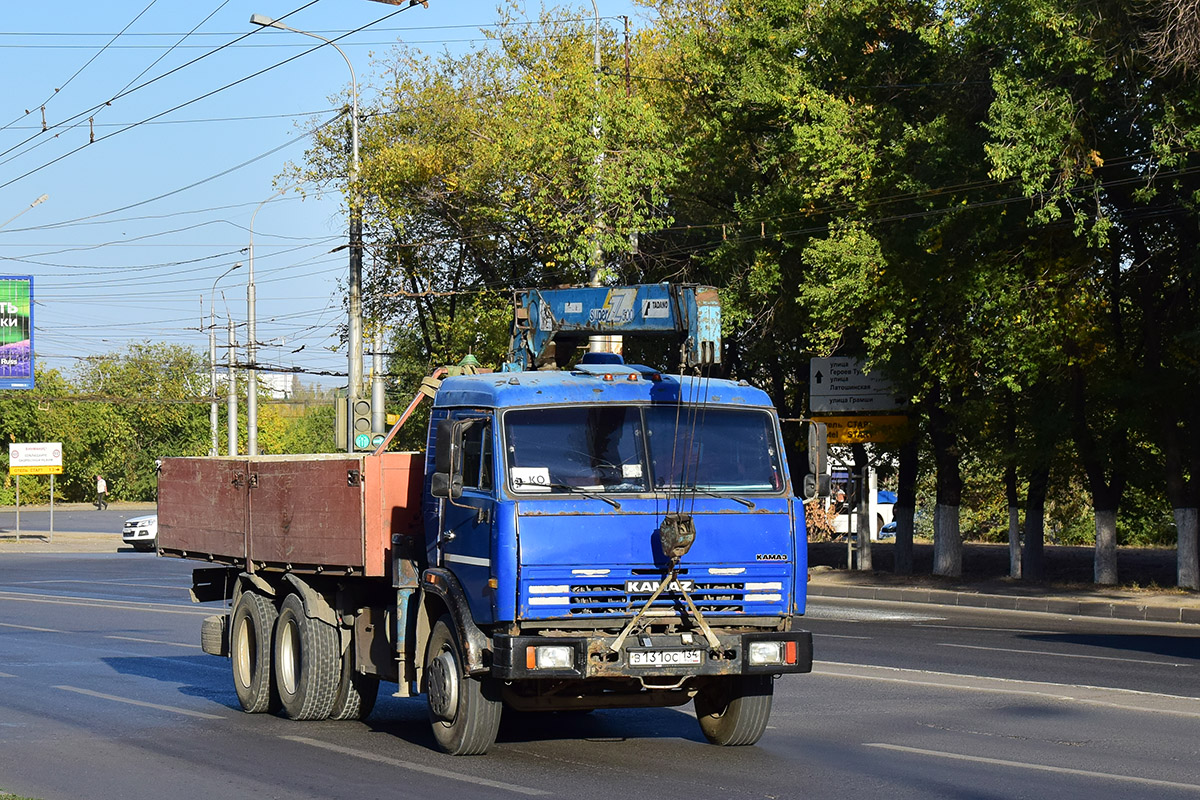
321, 513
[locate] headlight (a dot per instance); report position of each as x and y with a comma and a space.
549, 657
762, 654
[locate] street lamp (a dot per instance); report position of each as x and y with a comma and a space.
39, 201
354, 382
212, 362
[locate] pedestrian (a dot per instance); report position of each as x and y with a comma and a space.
101, 493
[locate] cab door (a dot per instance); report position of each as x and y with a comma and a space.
465, 538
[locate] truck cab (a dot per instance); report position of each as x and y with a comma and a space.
549, 493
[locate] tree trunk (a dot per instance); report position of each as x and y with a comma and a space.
1106, 490
905, 509
1187, 546
947, 541
1014, 521
1106, 546
1032, 561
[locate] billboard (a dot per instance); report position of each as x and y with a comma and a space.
16, 332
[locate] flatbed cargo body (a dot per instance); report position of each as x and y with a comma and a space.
302, 513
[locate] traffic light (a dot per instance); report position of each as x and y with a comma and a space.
360, 415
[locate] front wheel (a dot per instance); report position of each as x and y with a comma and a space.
464, 711
734, 711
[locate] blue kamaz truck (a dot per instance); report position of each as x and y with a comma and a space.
599, 536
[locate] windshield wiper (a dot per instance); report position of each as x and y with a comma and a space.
586, 493
708, 493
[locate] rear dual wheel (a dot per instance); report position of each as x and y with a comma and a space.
251, 630
356, 693
307, 662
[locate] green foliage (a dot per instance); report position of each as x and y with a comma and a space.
993, 202
121, 411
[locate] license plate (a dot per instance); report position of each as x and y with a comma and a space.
663, 658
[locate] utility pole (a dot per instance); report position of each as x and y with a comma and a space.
231, 398
214, 447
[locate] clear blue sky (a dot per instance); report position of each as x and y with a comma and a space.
139, 223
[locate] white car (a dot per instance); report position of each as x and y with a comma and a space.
141, 532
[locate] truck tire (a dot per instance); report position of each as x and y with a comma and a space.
356, 693
733, 711
307, 662
464, 711
250, 633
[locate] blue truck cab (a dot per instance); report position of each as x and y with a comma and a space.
610, 536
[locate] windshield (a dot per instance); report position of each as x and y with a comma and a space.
635, 449
717, 449
595, 448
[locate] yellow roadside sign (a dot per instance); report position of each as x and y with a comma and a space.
862, 429
38, 470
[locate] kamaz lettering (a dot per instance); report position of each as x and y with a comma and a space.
648, 587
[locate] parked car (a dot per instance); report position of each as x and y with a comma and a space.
888, 531
141, 532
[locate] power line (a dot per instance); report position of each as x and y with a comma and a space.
129, 91
58, 89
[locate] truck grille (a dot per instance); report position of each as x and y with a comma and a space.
607, 597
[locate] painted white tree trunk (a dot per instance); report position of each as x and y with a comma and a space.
1106, 547
947, 542
1014, 542
1187, 546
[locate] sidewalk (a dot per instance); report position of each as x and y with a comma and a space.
985, 584
62, 542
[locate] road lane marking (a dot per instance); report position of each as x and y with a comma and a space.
175, 587
92, 602
153, 641
840, 636
142, 703
1062, 655
415, 767
1123, 699
981, 628
1000, 762
29, 628
849, 614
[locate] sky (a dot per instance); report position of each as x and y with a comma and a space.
166, 127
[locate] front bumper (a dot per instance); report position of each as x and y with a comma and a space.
589, 656
139, 535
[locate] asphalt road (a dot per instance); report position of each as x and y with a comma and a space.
72, 517
104, 693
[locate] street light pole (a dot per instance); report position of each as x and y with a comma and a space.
355, 327
214, 447
37, 202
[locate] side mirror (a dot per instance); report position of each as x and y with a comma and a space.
818, 448
817, 481
443, 485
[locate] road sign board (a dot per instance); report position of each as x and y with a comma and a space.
862, 429
839, 385
35, 458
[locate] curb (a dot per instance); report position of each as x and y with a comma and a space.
1084, 607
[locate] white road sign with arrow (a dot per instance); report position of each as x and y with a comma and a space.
840, 385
